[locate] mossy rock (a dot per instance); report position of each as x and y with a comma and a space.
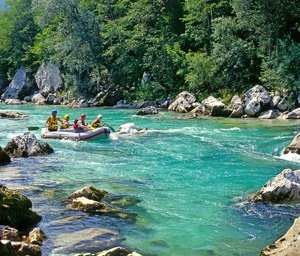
15, 209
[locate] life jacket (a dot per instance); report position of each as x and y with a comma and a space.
53, 123
76, 127
96, 124
64, 125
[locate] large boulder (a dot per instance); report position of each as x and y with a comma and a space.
19, 87
284, 188
295, 114
275, 101
255, 100
294, 147
4, 157
38, 99
183, 102
216, 107
236, 107
269, 114
15, 209
287, 245
27, 145
48, 79
283, 104
147, 111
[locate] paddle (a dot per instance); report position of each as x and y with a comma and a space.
112, 129
33, 128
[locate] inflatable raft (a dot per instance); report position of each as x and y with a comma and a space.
70, 134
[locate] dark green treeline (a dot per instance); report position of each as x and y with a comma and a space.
205, 46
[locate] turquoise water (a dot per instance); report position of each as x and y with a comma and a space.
191, 178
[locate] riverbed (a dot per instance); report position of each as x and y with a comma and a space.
190, 179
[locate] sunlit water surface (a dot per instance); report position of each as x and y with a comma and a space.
191, 178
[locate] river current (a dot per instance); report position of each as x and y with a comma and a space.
189, 178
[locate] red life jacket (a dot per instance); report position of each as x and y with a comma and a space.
75, 124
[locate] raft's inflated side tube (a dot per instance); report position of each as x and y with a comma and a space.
69, 134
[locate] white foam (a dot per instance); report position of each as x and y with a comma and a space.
292, 157
231, 129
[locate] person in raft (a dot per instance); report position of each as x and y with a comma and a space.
65, 123
52, 121
79, 124
97, 123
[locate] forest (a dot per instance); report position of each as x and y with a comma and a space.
153, 49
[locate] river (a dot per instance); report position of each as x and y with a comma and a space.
190, 177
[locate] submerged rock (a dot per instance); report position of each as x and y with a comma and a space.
287, 245
10, 114
15, 209
131, 128
183, 102
27, 145
294, 147
147, 111
284, 188
4, 157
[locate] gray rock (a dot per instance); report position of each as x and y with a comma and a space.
28, 98
14, 102
284, 188
283, 104
236, 107
90, 193
275, 101
79, 104
11, 114
236, 100
260, 94
287, 245
253, 108
52, 99
27, 145
200, 109
123, 104
19, 87
294, 146
4, 157
183, 102
39, 99
269, 114
147, 111
215, 107
295, 114
117, 251
48, 79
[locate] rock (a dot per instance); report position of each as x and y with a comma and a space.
29, 98
24, 249
91, 240
283, 104
90, 193
165, 103
287, 245
52, 99
79, 104
109, 96
294, 147
295, 114
8, 233
36, 236
117, 251
11, 114
48, 79
269, 114
258, 93
15, 209
284, 188
183, 102
237, 112
275, 101
4, 157
87, 205
14, 102
148, 111
236, 107
131, 128
123, 104
253, 108
38, 99
27, 145
200, 109
19, 87
216, 107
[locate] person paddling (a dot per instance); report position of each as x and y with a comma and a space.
65, 123
52, 121
79, 124
97, 123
